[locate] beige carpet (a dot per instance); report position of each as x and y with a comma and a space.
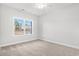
38, 48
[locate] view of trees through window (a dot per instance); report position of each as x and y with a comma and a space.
22, 26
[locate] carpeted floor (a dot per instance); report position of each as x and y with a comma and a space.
38, 48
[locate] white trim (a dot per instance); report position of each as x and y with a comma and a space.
60, 43
14, 43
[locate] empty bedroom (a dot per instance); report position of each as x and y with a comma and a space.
39, 29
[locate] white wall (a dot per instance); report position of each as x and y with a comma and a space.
39, 28
0, 23
62, 26
6, 26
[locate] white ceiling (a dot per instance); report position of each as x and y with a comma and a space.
29, 7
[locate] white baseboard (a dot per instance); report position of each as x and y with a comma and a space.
14, 43
67, 45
